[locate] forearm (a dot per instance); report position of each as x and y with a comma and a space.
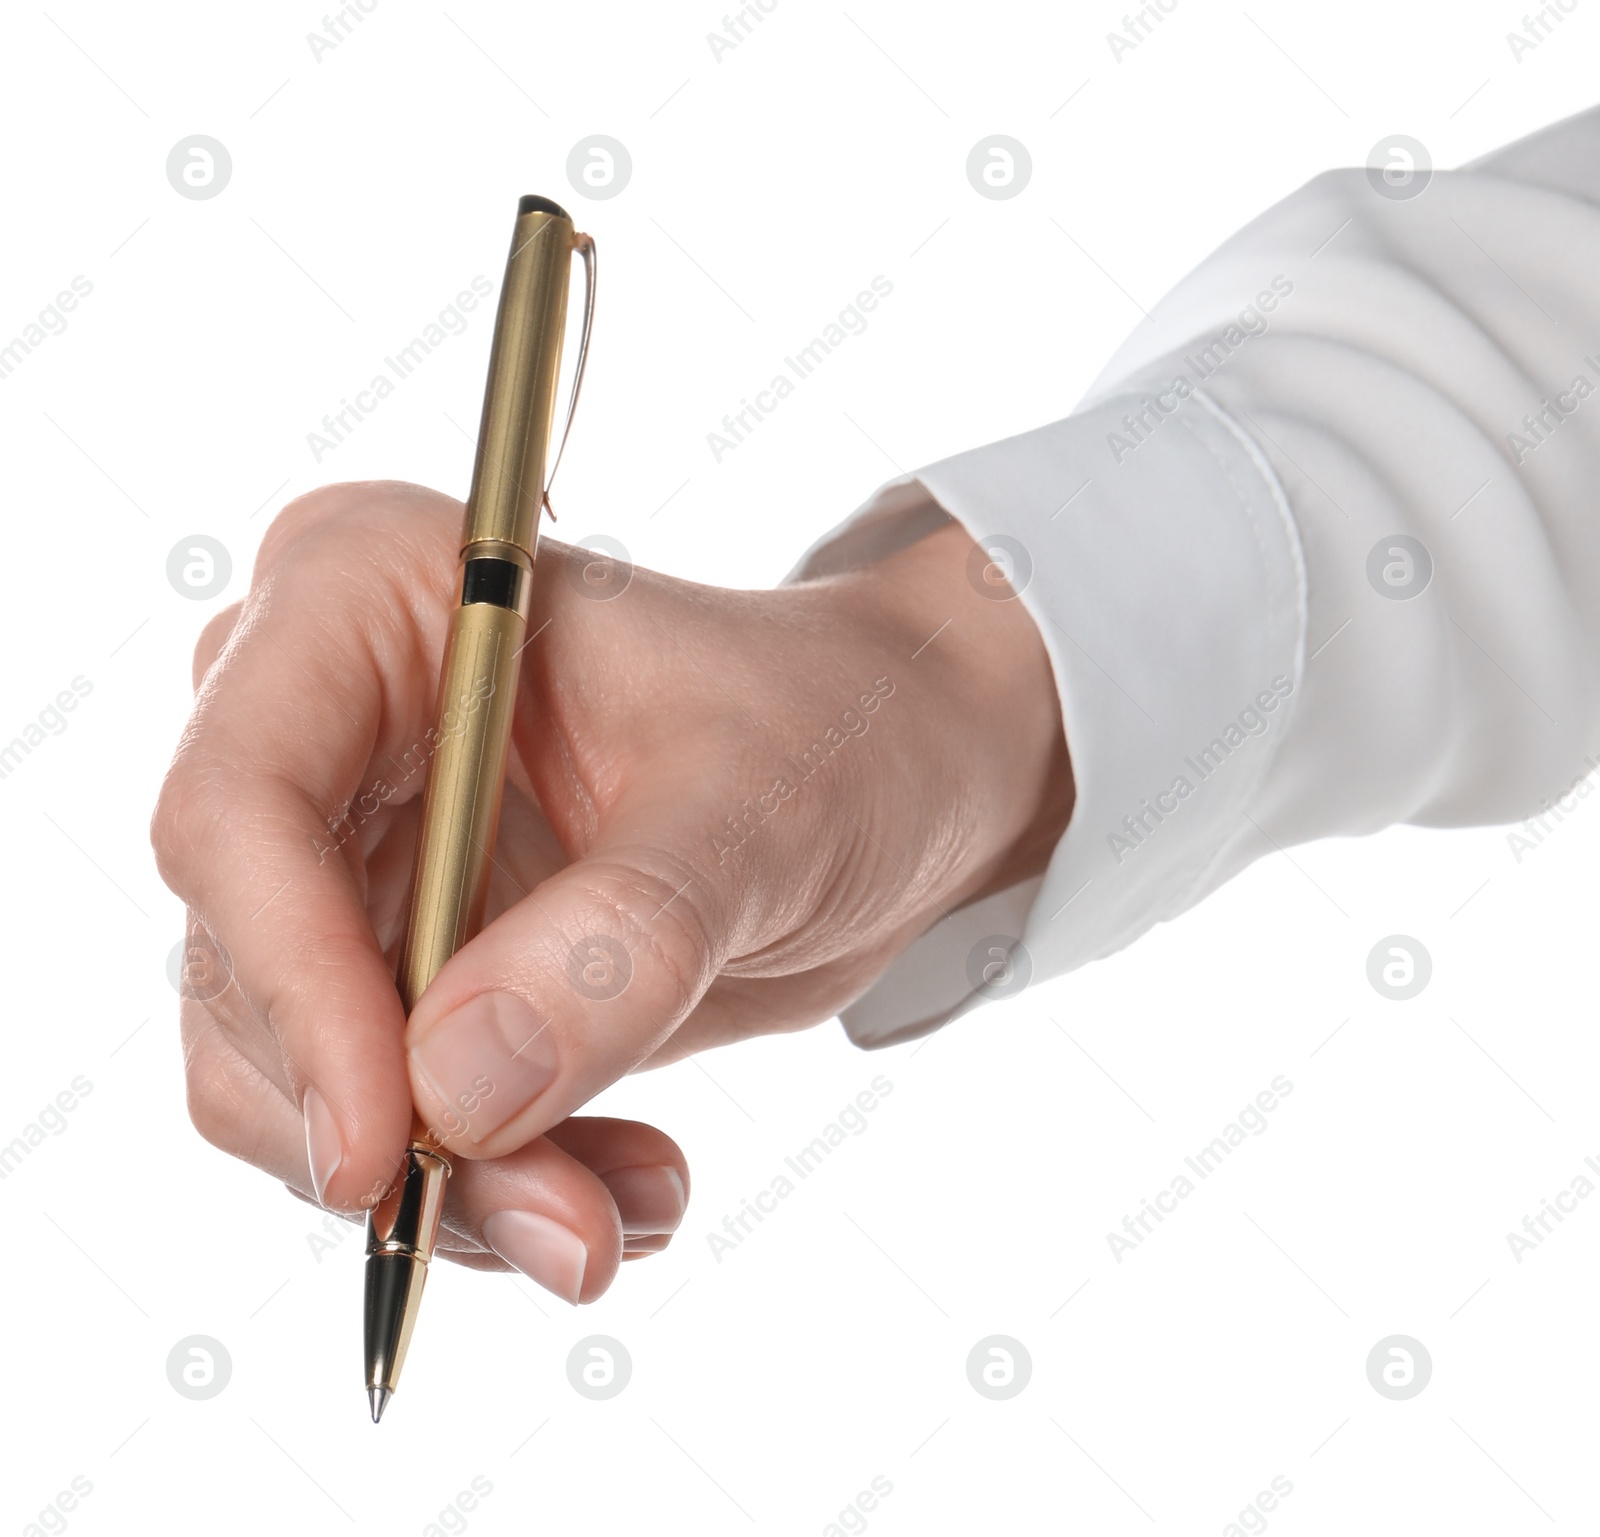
1210, 535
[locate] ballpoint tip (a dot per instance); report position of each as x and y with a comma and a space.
379, 1399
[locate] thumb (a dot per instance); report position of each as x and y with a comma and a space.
562, 995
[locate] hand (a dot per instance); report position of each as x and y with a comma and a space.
726, 813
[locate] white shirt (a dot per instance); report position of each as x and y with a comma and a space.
1345, 573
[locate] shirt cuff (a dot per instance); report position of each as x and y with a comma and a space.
1155, 550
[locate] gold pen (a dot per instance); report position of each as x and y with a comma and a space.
472, 736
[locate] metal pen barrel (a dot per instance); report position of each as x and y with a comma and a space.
471, 738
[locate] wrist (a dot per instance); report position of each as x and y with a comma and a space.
993, 730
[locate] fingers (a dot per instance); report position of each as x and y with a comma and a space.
318, 672
564, 1210
213, 638
245, 859
643, 1168
542, 1213
571, 1204
560, 996
234, 1105
562, 1223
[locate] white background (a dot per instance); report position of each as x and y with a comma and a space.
830, 1347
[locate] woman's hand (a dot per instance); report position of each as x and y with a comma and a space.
726, 813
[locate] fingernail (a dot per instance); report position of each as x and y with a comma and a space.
540, 1248
324, 1149
650, 1197
645, 1243
487, 1061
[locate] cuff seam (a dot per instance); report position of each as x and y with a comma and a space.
1291, 533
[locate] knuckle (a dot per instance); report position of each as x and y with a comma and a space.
359, 508
212, 1090
169, 827
228, 1097
213, 640
310, 511
211, 1114
191, 801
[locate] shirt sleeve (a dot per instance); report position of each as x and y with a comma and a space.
1317, 554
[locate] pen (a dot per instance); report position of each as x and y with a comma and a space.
471, 739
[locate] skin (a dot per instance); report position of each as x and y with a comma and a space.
643, 722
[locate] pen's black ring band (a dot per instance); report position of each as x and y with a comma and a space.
487, 579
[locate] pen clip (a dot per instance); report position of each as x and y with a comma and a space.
584, 246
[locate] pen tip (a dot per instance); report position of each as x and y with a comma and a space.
379, 1399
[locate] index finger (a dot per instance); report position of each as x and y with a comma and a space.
313, 693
